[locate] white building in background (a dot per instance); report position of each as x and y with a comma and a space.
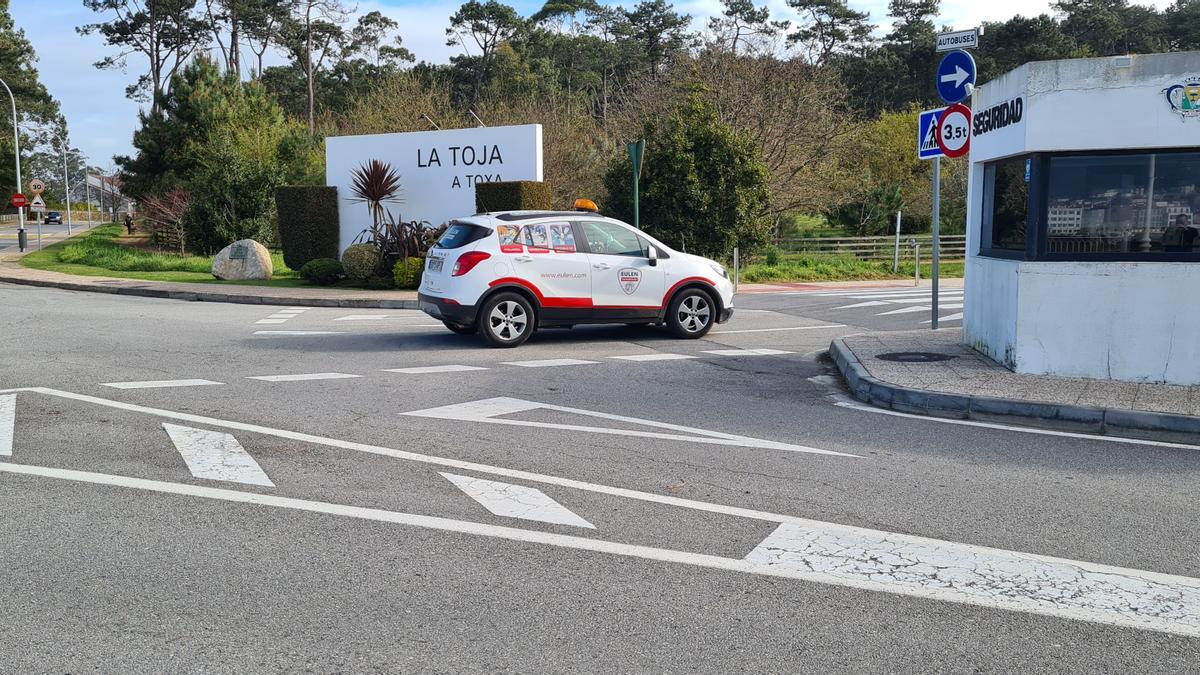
1064, 219
1071, 267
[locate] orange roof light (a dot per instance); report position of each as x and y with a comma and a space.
586, 205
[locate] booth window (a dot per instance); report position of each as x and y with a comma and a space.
1122, 207
1005, 204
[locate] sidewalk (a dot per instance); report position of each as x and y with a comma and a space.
816, 286
12, 272
967, 385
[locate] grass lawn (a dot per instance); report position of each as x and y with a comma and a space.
829, 267
99, 253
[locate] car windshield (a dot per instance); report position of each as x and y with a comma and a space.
461, 234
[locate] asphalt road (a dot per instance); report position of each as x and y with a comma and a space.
191, 489
51, 233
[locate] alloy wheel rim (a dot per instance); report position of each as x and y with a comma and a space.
508, 320
694, 313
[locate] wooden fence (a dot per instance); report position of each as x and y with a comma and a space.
953, 247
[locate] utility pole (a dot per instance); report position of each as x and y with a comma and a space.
17, 153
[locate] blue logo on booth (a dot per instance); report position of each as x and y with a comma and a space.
955, 74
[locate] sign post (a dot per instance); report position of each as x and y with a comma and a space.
38, 205
955, 80
637, 151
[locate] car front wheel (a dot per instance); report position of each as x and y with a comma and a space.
506, 320
691, 314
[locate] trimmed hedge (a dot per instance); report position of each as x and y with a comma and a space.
518, 195
308, 223
322, 271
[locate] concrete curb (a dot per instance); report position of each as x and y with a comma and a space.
163, 290
1109, 421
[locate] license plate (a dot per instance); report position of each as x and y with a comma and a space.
435, 264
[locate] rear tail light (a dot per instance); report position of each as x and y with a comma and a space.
468, 261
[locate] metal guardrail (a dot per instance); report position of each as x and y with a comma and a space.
871, 248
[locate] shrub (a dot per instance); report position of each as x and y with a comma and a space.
774, 255
407, 272
360, 261
322, 271
308, 223
520, 195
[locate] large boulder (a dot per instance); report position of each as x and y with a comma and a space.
245, 259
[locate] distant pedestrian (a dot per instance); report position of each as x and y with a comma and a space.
129, 223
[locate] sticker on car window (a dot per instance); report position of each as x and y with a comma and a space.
508, 239
537, 238
562, 238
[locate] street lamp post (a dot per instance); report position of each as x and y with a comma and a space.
66, 184
17, 154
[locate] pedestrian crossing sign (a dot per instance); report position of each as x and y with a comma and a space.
927, 146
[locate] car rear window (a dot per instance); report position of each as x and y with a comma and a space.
461, 234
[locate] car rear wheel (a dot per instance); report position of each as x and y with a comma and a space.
506, 320
691, 314
461, 329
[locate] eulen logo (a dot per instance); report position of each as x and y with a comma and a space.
629, 279
1184, 98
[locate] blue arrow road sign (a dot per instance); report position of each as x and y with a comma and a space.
927, 147
954, 74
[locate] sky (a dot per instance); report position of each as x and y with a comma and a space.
101, 120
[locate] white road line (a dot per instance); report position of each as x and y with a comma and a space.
772, 330
1115, 596
8, 421
488, 410
951, 317
925, 308
910, 297
364, 317
548, 363
944, 297
516, 501
215, 455
270, 321
747, 352
156, 384
421, 370
988, 577
283, 316
298, 332
293, 312
653, 357
870, 303
846, 402
302, 377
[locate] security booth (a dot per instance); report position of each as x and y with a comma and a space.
1083, 249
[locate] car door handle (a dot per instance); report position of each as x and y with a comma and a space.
602, 266
524, 258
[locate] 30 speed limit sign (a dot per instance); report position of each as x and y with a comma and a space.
954, 131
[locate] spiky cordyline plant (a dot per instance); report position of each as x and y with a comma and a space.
375, 183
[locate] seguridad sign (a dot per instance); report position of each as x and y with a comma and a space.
437, 170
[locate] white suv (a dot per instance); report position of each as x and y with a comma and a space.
505, 274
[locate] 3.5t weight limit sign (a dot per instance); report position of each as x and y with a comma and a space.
954, 131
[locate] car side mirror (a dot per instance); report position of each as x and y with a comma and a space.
653, 257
